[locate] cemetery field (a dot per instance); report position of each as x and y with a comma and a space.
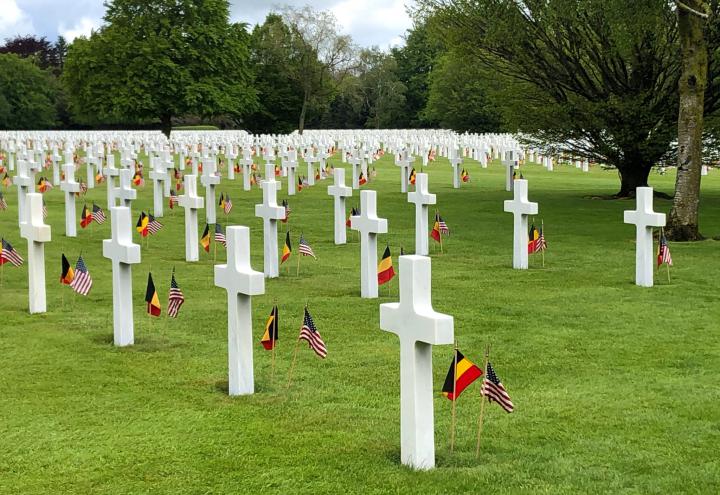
615, 386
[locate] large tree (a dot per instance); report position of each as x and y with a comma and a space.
596, 77
322, 57
683, 221
27, 94
154, 61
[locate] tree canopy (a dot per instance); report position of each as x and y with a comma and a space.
27, 95
159, 60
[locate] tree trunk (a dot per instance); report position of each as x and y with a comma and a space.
166, 125
303, 112
633, 174
683, 223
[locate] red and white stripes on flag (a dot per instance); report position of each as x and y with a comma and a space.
9, 255
494, 390
175, 298
309, 333
154, 225
305, 248
98, 214
82, 283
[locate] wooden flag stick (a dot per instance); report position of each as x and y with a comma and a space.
542, 229
482, 404
298, 264
454, 401
292, 366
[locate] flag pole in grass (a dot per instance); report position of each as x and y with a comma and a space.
542, 229
299, 255
482, 404
454, 401
274, 342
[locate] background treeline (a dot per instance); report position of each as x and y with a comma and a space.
294, 70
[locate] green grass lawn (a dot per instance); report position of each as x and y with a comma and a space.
615, 386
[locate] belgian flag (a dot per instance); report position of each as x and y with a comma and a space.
287, 248
435, 233
142, 224
221, 204
300, 184
385, 268
464, 175
151, 298
270, 337
205, 239
362, 180
67, 275
353, 213
532, 237
461, 374
412, 176
85, 217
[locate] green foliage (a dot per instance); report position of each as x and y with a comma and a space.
27, 95
154, 61
458, 96
415, 61
615, 386
275, 62
598, 77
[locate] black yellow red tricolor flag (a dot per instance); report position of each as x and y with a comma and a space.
85, 217
67, 275
287, 248
205, 239
270, 336
151, 298
142, 224
435, 232
385, 268
532, 239
460, 376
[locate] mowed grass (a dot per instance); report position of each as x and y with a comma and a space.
615, 386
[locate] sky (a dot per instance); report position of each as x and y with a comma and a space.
369, 22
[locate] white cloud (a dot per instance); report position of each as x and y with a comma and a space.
373, 22
13, 20
82, 27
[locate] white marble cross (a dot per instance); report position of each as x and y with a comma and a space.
191, 202
125, 193
422, 198
241, 283
246, 162
24, 182
291, 164
644, 219
230, 156
369, 226
270, 212
520, 207
55, 157
160, 177
209, 180
70, 187
33, 229
419, 327
340, 191
111, 172
455, 161
123, 253
509, 171
90, 161
404, 163
356, 163
311, 161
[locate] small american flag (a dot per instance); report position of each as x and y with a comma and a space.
663, 255
309, 333
494, 390
305, 248
3, 203
227, 207
175, 298
540, 244
220, 235
82, 283
8, 254
443, 226
174, 200
98, 214
154, 225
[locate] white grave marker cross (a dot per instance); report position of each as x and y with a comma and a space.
520, 207
369, 226
644, 219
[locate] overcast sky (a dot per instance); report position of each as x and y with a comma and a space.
369, 22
